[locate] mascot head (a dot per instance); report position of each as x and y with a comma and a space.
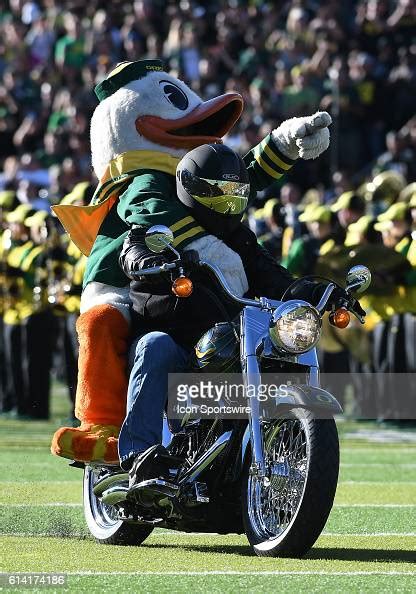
144, 108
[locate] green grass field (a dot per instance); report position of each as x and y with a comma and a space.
368, 545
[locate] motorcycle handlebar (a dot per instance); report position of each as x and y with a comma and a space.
177, 265
154, 270
224, 285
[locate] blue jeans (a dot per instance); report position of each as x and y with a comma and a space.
152, 357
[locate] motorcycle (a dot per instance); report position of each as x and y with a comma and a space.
273, 479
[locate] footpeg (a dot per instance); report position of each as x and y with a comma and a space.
201, 492
127, 516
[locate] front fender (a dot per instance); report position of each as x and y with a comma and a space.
310, 397
317, 400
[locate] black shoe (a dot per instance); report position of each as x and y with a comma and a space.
151, 464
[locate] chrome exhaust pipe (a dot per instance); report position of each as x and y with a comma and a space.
109, 481
114, 495
206, 459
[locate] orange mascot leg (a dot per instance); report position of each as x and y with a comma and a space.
100, 404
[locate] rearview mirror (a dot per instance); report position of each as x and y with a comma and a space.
158, 238
358, 279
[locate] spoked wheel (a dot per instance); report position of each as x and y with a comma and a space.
285, 514
103, 521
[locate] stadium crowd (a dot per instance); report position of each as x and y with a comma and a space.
355, 204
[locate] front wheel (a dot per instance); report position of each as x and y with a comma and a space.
102, 519
284, 515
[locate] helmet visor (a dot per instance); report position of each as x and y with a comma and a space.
223, 196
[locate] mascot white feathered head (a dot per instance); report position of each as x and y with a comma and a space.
144, 108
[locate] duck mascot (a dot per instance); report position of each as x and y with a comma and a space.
144, 124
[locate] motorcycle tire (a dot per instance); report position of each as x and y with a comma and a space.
102, 522
285, 518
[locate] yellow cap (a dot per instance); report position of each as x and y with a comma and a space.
356, 229
397, 212
76, 194
407, 193
412, 201
37, 219
6, 198
269, 206
348, 200
314, 213
19, 214
385, 186
258, 214
310, 197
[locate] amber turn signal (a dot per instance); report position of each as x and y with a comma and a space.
340, 318
182, 287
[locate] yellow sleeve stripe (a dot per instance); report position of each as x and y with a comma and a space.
187, 235
273, 157
267, 168
182, 223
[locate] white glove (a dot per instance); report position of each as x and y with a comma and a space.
305, 137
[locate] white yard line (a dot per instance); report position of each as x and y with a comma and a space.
210, 534
364, 505
405, 505
52, 504
74, 482
379, 483
375, 449
348, 482
377, 464
226, 572
368, 534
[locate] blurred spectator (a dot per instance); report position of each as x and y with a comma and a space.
70, 48
299, 97
40, 39
356, 60
399, 156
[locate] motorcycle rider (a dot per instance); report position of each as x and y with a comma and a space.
173, 325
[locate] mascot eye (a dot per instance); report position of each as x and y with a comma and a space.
174, 94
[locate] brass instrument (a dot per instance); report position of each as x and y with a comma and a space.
53, 282
11, 287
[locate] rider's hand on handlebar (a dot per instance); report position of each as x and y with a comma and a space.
340, 298
149, 262
190, 259
356, 308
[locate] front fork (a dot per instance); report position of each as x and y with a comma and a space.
252, 327
252, 378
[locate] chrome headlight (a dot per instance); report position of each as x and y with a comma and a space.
295, 327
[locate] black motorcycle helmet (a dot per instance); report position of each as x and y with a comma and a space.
212, 181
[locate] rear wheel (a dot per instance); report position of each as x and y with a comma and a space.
285, 516
103, 521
